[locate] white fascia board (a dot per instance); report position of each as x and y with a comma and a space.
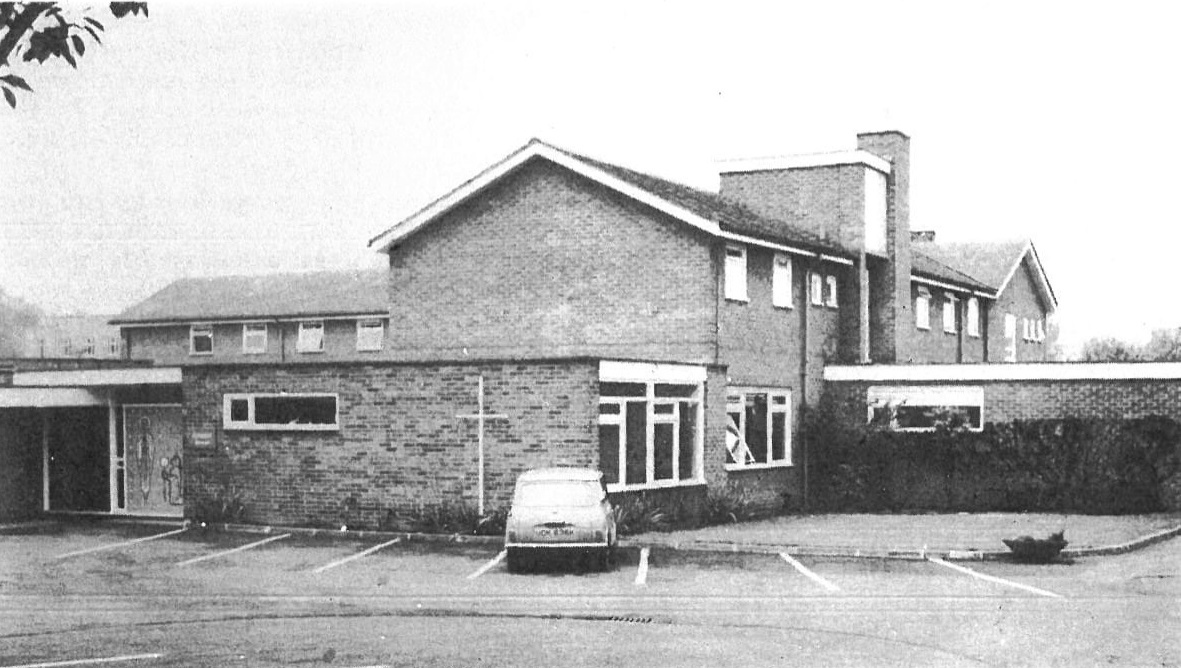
857, 157
1000, 372
531, 150
98, 377
752, 241
251, 320
48, 397
949, 286
642, 372
1043, 281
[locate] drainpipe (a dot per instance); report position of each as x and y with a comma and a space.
805, 306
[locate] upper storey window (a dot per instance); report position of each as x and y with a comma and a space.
736, 272
922, 309
201, 340
311, 337
973, 317
781, 281
949, 315
370, 334
254, 338
830, 297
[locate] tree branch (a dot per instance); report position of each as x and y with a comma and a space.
21, 24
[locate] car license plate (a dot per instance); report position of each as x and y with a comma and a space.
559, 531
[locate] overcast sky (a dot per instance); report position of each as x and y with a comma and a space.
214, 139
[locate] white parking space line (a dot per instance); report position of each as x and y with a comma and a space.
90, 662
358, 555
115, 546
994, 579
808, 573
240, 548
489, 566
642, 571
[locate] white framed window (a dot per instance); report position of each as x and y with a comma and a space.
370, 334
973, 317
924, 408
88, 347
758, 428
254, 338
922, 309
113, 346
281, 412
650, 432
736, 272
1040, 331
311, 337
949, 314
816, 289
201, 340
1026, 329
781, 281
830, 297
67, 346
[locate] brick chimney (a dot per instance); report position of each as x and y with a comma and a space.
891, 313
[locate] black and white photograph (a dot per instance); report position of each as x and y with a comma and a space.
435, 334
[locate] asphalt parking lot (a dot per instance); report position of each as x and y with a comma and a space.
77, 593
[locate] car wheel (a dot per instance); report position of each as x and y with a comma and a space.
516, 560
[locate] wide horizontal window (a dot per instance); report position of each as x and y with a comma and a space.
758, 428
650, 433
925, 408
279, 412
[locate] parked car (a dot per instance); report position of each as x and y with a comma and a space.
560, 511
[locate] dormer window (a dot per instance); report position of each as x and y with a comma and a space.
922, 309
736, 272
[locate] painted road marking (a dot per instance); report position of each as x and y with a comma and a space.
489, 566
90, 662
642, 571
116, 546
991, 578
809, 574
358, 555
240, 548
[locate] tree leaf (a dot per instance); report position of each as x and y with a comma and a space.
10, 97
93, 34
95, 23
16, 82
79, 45
69, 57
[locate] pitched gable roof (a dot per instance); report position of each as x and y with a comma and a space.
993, 263
325, 293
698, 208
929, 267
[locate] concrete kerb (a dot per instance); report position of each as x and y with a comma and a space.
728, 547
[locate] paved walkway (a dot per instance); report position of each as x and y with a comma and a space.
901, 535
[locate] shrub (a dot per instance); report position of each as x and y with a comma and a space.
223, 507
639, 514
448, 517
726, 506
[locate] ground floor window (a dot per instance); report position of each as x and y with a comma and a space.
650, 432
758, 427
281, 412
924, 408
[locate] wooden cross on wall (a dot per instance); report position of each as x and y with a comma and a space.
480, 417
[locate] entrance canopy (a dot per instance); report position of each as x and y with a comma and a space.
49, 397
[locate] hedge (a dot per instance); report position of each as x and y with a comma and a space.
1060, 465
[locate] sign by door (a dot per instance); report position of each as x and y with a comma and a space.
152, 465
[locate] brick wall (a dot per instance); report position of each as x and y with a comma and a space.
827, 200
1021, 299
169, 345
399, 443
937, 346
548, 264
20, 464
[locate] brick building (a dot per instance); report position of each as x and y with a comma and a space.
593, 315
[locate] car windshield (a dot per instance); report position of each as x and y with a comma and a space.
567, 493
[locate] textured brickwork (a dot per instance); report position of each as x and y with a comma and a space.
827, 200
399, 443
1021, 299
548, 264
169, 345
20, 464
891, 311
937, 346
1005, 401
